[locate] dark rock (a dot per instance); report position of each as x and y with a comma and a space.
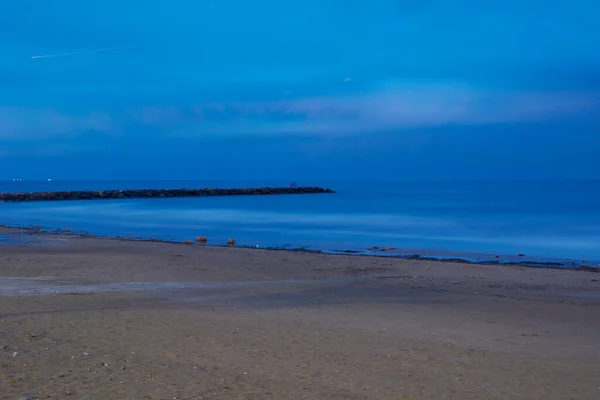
123, 194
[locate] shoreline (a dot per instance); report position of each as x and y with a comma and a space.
393, 253
49, 242
93, 317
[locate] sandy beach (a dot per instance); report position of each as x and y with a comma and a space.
91, 318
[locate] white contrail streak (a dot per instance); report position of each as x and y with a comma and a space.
83, 52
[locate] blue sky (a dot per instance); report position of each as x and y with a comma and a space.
334, 89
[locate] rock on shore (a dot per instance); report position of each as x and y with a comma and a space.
157, 193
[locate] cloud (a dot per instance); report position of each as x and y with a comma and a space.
44, 149
393, 107
157, 115
19, 123
387, 107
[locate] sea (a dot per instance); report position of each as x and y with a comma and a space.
500, 220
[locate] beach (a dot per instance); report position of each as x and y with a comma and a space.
336, 200
91, 318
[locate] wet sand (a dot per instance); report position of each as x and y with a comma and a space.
89, 318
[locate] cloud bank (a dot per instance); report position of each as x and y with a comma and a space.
388, 107
19, 123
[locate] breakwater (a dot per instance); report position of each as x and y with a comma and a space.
157, 193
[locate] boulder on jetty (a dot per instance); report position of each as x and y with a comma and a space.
157, 193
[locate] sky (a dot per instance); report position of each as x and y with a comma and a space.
311, 89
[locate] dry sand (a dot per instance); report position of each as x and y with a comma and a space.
85, 318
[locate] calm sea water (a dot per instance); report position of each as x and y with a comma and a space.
539, 219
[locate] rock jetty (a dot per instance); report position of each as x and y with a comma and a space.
156, 193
